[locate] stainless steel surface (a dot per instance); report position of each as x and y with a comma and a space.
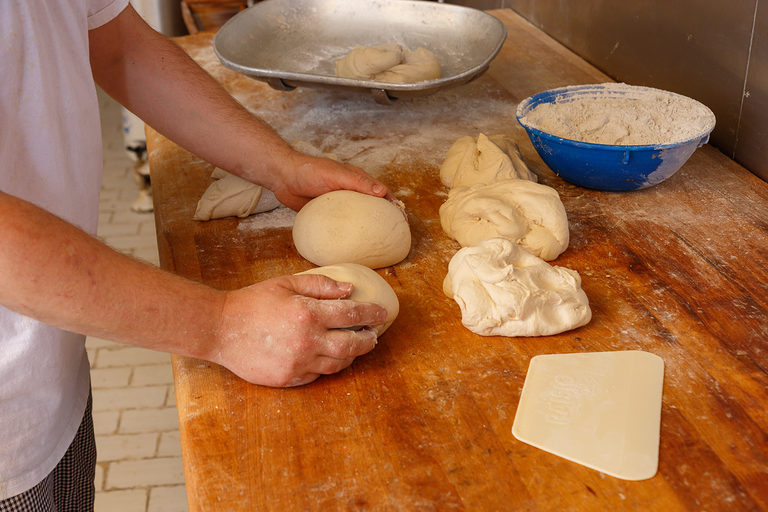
291, 43
752, 141
705, 49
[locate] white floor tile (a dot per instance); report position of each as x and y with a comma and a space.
139, 464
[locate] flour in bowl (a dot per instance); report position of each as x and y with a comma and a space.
622, 114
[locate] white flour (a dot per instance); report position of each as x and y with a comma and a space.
358, 131
281, 217
622, 114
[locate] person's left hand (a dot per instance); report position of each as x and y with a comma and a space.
307, 177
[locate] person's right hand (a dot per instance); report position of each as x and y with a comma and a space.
290, 330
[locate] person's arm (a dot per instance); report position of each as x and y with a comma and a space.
170, 92
278, 332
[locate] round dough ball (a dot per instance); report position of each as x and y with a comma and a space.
368, 287
522, 211
350, 227
504, 290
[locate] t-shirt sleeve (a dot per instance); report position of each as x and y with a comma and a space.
103, 11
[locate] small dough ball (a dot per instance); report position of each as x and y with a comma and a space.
368, 287
522, 211
350, 227
483, 160
364, 62
504, 290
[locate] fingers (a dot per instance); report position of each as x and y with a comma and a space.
341, 347
319, 286
342, 314
309, 177
365, 183
337, 314
344, 345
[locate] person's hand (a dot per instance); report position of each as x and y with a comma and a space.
306, 177
290, 330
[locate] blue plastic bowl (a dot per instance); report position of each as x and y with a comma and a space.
604, 166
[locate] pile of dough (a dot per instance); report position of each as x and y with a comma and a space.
483, 160
389, 63
232, 196
522, 211
504, 290
368, 287
507, 224
350, 227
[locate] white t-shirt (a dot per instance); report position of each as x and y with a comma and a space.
50, 155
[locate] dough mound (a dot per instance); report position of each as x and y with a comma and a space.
483, 160
504, 290
350, 227
389, 63
368, 287
522, 211
232, 196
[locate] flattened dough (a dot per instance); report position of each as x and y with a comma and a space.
389, 63
350, 227
522, 211
486, 160
368, 287
504, 290
599, 409
232, 196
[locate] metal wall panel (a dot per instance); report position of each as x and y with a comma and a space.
752, 140
693, 47
700, 48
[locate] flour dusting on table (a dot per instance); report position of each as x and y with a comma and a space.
281, 217
350, 125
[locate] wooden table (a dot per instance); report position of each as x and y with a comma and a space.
423, 422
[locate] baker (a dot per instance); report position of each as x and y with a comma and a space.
58, 283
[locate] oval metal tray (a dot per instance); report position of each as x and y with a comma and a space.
292, 43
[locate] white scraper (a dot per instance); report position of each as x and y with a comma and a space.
600, 409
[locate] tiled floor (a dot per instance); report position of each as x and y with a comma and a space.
137, 437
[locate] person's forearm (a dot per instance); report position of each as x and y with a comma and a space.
51, 271
157, 81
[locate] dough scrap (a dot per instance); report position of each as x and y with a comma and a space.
504, 290
486, 159
389, 63
522, 211
350, 227
369, 286
232, 196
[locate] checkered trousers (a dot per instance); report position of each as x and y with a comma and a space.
69, 487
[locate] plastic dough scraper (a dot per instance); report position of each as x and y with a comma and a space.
599, 409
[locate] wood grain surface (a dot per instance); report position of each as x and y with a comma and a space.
423, 422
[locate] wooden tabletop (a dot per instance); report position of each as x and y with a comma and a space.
424, 421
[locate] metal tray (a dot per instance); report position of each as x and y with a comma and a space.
292, 43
